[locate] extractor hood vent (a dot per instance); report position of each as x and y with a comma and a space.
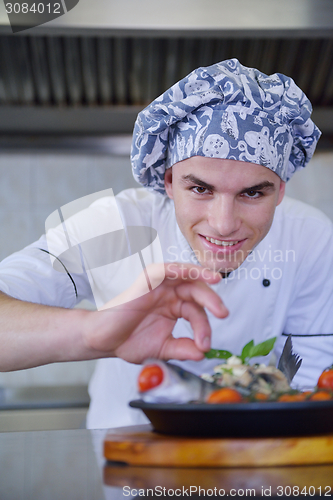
82, 71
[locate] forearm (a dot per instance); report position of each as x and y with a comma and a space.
33, 334
134, 327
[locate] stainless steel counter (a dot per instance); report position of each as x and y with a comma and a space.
44, 397
53, 465
69, 465
43, 408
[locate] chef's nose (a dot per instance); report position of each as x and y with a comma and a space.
223, 216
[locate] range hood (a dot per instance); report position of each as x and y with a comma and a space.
92, 69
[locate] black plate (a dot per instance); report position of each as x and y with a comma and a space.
240, 420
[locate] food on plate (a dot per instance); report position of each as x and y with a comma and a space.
225, 395
161, 382
259, 396
325, 380
294, 396
321, 396
258, 378
233, 381
250, 350
150, 376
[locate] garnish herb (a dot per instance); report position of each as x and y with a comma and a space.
219, 354
250, 350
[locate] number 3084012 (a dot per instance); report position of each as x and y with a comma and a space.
35, 8
311, 491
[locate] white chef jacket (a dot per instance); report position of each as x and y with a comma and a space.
294, 261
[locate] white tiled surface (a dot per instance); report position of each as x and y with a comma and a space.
315, 184
35, 184
56, 180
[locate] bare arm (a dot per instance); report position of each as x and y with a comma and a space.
33, 334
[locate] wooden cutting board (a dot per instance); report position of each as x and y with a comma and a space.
140, 445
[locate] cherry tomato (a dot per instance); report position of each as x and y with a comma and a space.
225, 395
325, 380
291, 398
320, 396
150, 376
260, 396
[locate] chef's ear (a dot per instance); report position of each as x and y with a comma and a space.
281, 192
168, 182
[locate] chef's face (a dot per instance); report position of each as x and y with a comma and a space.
224, 208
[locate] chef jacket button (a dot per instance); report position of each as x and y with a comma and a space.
266, 282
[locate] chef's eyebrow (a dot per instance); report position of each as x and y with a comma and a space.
190, 178
195, 180
259, 187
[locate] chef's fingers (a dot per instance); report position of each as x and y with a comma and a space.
201, 294
197, 317
181, 349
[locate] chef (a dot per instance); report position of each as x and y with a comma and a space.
213, 154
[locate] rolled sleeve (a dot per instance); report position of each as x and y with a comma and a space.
29, 275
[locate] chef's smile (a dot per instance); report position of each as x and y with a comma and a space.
222, 243
224, 208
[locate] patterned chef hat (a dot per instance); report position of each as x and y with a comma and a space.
225, 111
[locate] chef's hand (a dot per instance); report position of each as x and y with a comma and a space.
131, 328
141, 328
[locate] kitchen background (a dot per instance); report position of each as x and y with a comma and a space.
70, 91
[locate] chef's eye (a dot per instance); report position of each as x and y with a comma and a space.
252, 193
199, 189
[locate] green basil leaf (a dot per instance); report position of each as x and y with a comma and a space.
262, 349
249, 351
219, 354
246, 351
